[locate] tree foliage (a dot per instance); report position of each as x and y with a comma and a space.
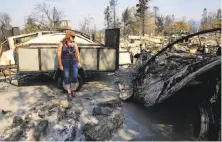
211, 20
108, 18
31, 26
85, 27
50, 17
155, 10
159, 23
113, 4
133, 24
204, 17
219, 15
111, 19
178, 27
43, 17
142, 7
205, 27
134, 27
5, 20
126, 19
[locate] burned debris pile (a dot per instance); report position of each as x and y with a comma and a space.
60, 120
159, 76
110, 119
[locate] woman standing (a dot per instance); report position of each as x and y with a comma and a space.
69, 62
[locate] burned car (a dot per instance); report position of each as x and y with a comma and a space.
186, 73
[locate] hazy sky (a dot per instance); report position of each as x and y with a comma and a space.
76, 10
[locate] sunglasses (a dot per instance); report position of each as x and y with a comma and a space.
73, 36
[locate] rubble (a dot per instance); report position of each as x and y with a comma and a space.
96, 111
61, 114
18, 128
125, 92
55, 102
40, 130
65, 105
102, 111
106, 111
63, 120
17, 120
159, 76
112, 103
45, 110
15, 136
104, 129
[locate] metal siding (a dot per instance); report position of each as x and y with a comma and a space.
88, 58
28, 60
48, 59
107, 60
112, 39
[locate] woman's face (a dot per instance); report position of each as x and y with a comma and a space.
70, 35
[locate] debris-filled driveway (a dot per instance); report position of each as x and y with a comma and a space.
41, 112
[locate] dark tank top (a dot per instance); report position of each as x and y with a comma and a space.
68, 52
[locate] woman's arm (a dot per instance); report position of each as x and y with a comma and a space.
59, 55
77, 54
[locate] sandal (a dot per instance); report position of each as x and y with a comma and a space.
73, 93
69, 96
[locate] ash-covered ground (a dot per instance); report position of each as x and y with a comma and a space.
39, 111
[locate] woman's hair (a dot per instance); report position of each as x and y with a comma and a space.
68, 34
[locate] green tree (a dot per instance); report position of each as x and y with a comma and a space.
204, 20
108, 18
126, 19
160, 23
205, 27
219, 15
134, 27
30, 26
113, 4
141, 12
177, 27
155, 10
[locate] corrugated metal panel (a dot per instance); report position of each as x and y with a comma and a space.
107, 59
28, 59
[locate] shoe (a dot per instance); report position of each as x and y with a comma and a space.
69, 96
73, 94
